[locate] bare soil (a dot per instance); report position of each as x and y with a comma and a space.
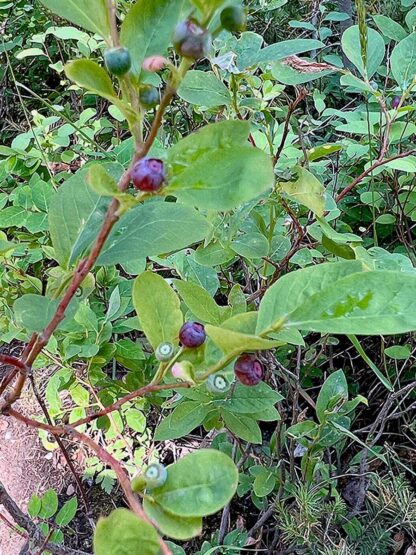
25, 468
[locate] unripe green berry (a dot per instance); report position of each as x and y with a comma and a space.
234, 19
155, 476
164, 352
217, 383
117, 60
149, 96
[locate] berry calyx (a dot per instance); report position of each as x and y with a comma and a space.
191, 40
117, 60
192, 335
138, 484
149, 96
395, 103
164, 352
148, 175
233, 19
217, 383
248, 370
155, 476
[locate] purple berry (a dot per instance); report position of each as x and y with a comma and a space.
248, 370
395, 103
191, 40
148, 174
192, 335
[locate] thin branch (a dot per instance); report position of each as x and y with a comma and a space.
369, 170
291, 109
133, 395
60, 443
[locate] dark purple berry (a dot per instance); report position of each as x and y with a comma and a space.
191, 40
117, 60
248, 370
148, 174
192, 335
395, 103
149, 96
234, 19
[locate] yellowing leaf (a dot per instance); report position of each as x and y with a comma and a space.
306, 190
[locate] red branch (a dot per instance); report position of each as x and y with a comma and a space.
133, 395
379, 162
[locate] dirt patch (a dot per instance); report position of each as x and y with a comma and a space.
25, 468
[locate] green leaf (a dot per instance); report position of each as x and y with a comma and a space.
199, 484
281, 50
183, 419
174, 526
34, 312
384, 380
398, 352
293, 290
13, 216
101, 182
251, 245
34, 506
287, 75
203, 88
49, 504
152, 229
403, 61
6, 247
230, 341
390, 28
123, 533
264, 482
221, 135
322, 151
243, 427
199, 301
67, 512
76, 215
250, 400
334, 389
368, 303
352, 49
89, 14
158, 309
147, 29
223, 178
136, 420
306, 190
91, 76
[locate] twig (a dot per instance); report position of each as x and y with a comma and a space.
369, 170
61, 445
133, 395
291, 109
